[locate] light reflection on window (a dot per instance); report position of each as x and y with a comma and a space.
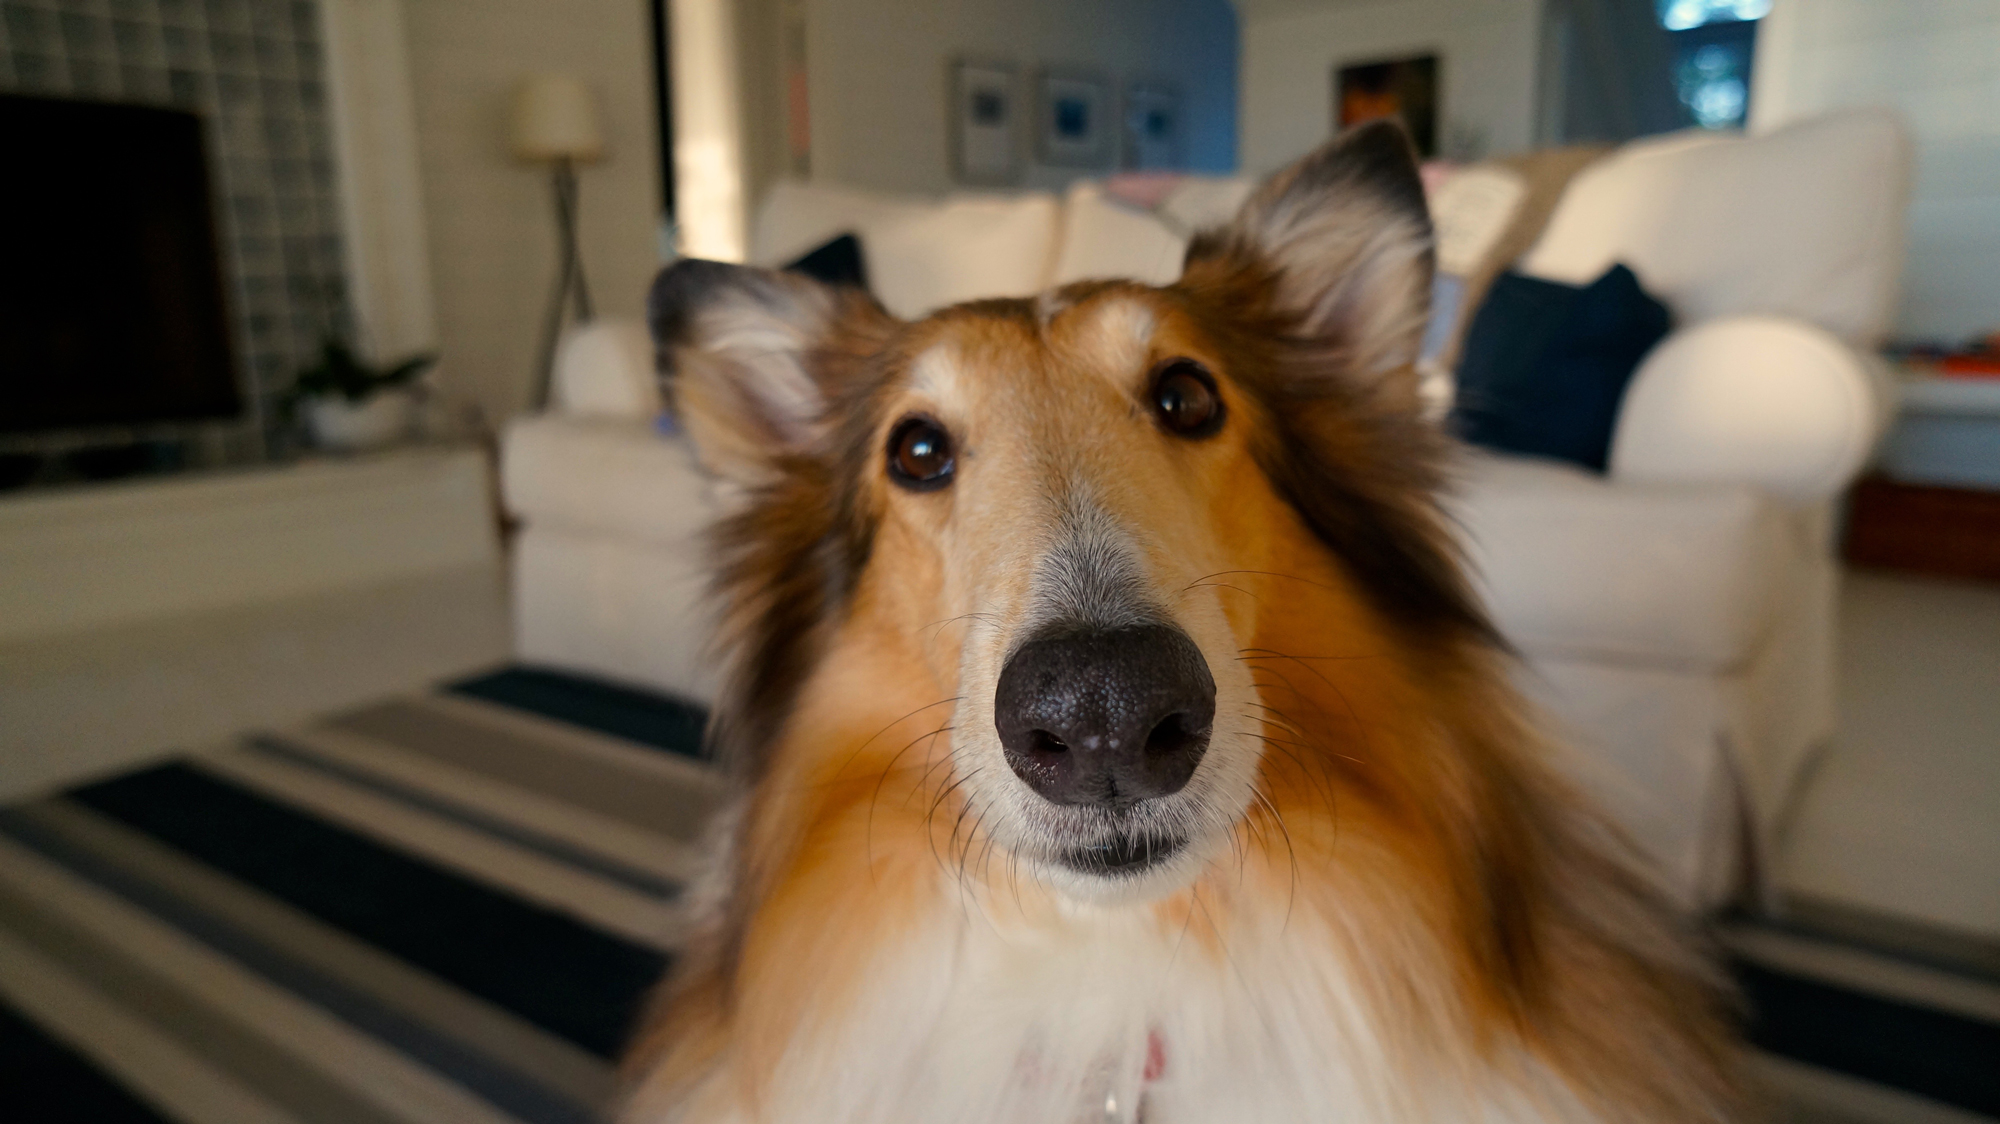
1680, 15
1711, 82
1714, 47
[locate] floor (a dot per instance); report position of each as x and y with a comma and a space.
1902, 815
1901, 818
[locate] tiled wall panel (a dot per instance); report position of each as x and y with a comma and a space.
254, 71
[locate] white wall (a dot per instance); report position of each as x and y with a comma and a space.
491, 229
1487, 52
1938, 61
878, 71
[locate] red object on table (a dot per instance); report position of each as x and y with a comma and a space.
1980, 366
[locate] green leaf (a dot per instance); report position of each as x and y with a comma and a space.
341, 372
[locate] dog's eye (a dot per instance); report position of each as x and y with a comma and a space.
1185, 399
920, 454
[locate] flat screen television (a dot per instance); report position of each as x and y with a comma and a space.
112, 310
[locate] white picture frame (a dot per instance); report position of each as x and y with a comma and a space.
985, 117
1073, 119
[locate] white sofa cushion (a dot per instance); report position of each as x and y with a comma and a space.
1102, 237
920, 253
606, 476
797, 217
604, 369
1200, 202
1759, 400
1574, 566
964, 248
1470, 212
1806, 222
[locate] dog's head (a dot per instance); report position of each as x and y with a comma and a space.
1060, 505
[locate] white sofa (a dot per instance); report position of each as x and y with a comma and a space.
1676, 614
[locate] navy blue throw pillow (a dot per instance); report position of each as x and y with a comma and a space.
836, 262
1545, 364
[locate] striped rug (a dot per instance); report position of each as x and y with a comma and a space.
441, 908
449, 907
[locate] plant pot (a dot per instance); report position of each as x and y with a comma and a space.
382, 418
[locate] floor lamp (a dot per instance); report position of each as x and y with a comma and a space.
555, 123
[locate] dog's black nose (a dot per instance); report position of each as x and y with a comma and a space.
1106, 717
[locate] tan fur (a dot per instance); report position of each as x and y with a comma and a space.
1399, 818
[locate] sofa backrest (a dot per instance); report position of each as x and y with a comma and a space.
1806, 221
1102, 237
921, 253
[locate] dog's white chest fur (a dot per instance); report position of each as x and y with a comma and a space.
1101, 1017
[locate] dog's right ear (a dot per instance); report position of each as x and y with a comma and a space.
741, 354
1345, 237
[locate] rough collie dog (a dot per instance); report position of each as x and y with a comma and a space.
1119, 739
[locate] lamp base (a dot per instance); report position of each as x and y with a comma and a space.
572, 290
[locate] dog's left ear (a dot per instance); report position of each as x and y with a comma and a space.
743, 356
1345, 236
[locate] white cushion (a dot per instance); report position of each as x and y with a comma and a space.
1757, 400
1102, 237
965, 248
1470, 210
1575, 566
605, 369
920, 253
606, 476
1200, 202
796, 218
1806, 221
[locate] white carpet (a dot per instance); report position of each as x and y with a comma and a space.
1902, 816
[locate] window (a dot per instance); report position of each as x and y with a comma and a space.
1684, 15
1714, 46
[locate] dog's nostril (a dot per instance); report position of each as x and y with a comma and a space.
1170, 736
1041, 741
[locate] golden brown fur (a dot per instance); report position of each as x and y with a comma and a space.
1402, 822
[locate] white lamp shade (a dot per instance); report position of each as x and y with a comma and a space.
555, 118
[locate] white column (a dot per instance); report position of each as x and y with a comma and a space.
708, 130
382, 198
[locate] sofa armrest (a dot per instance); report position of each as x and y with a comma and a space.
606, 476
1762, 400
604, 369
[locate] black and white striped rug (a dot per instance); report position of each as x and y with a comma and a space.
441, 908
448, 908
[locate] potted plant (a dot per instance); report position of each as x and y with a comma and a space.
350, 404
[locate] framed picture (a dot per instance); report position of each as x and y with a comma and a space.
1405, 88
1073, 119
1152, 126
985, 127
